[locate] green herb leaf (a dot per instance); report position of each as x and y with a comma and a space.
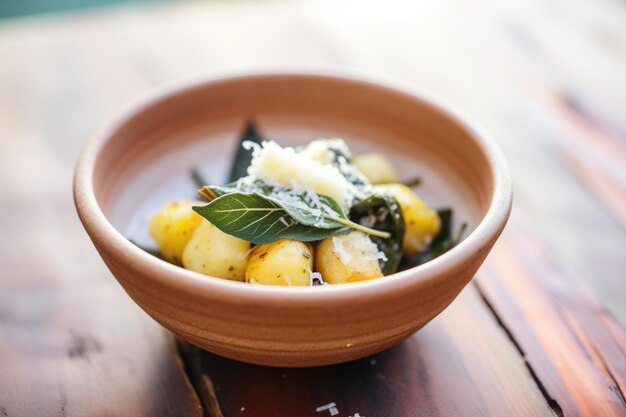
259, 219
243, 158
443, 242
382, 212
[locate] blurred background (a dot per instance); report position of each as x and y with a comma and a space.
12, 8
546, 79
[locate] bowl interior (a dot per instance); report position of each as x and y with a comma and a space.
150, 155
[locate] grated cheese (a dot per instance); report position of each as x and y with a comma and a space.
344, 255
316, 276
288, 280
318, 150
299, 171
330, 407
356, 242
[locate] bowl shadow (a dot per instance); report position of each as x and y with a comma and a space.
394, 382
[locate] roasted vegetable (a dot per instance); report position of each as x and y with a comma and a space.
172, 227
284, 262
282, 199
348, 258
422, 223
376, 168
212, 252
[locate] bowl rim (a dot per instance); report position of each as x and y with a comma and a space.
108, 239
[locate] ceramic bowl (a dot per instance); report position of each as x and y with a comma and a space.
143, 160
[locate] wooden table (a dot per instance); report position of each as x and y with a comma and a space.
539, 332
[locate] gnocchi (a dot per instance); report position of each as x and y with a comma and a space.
213, 252
422, 223
172, 227
348, 258
302, 216
376, 168
284, 262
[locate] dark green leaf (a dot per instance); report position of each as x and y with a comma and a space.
382, 212
300, 207
259, 219
243, 158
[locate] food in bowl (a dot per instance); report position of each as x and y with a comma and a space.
303, 216
137, 164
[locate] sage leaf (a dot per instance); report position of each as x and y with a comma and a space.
259, 219
243, 158
298, 206
382, 212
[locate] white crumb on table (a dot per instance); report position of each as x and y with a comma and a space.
330, 407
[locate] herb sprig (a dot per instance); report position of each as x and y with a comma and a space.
260, 218
257, 213
382, 212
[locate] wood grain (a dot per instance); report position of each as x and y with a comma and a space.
543, 77
71, 342
457, 365
573, 347
85, 350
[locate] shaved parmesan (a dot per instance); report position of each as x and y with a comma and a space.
286, 167
316, 278
318, 151
341, 251
356, 242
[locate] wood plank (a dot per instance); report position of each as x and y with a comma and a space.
606, 186
462, 363
86, 350
71, 341
516, 68
564, 139
572, 345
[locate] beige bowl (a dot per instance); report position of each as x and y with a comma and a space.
143, 160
